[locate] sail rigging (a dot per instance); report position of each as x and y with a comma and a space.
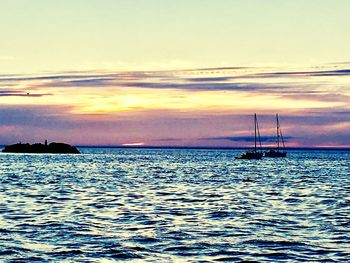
278, 152
254, 154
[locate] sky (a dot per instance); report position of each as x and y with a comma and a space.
174, 73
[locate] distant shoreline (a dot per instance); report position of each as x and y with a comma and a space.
212, 148
207, 148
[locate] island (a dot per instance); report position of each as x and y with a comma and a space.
53, 147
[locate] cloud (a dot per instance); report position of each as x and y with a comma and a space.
169, 140
166, 128
16, 78
213, 79
194, 118
220, 68
325, 73
21, 94
233, 79
55, 118
91, 82
248, 138
316, 96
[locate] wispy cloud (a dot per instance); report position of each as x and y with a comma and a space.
20, 93
325, 73
248, 138
181, 107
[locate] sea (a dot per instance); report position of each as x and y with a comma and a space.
174, 205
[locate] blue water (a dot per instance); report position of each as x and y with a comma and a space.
171, 205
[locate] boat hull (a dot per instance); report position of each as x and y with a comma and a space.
275, 154
250, 156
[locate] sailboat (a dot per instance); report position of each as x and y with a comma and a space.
279, 151
253, 154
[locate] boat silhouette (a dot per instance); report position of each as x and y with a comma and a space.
254, 154
278, 151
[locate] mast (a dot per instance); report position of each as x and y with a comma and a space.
279, 135
284, 147
254, 132
257, 126
278, 132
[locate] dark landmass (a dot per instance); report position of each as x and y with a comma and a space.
53, 147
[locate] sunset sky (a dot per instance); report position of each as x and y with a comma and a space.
174, 72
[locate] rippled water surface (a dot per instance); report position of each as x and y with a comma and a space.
171, 205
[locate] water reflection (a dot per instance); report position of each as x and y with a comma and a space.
174, 205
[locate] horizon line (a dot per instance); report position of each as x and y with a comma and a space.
311, 148
346, 148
